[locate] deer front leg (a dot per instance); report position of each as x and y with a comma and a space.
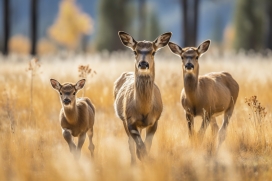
68, 137
190, 121
150, 131
81, 139
204, 125
135, 134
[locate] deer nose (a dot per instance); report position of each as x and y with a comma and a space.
66, 101
143, 65
189, 66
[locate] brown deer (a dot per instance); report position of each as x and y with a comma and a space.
138, 100
207, 96
76, 116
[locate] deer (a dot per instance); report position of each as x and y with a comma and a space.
137, 99
76, 117
208, 96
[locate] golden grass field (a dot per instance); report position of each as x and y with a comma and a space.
32, 146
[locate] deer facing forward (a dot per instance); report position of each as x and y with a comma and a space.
207, 96
76, 116
138, 100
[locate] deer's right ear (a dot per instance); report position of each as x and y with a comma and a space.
127, 40
55, 84
175, 48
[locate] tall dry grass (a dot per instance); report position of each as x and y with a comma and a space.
34, 149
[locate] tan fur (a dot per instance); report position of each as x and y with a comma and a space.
77, 118
138, 100
207, 96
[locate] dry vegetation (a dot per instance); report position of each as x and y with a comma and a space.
32, 146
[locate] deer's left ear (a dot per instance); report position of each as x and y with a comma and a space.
203, 47
55, 84
80, 84
162, 40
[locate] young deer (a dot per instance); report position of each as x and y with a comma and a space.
209, 95
76, 116
138, 100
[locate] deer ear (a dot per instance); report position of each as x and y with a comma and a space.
127, 40
175, 48
162, 40
80, 84
203, 47
55, 84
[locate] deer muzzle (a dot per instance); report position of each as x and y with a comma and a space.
66, 101
143, 65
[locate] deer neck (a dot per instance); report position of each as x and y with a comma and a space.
71, 113
143, 93
191, 84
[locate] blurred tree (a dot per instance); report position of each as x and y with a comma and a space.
269, 15
6, 18
249, 25
113, 16
33, 26
190, 23
70, 25
153, 29
142, 19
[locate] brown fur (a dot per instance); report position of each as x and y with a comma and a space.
207, 96
77, 118
138, 100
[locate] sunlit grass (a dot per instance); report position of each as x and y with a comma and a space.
34, 149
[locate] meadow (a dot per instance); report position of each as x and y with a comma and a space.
32, 146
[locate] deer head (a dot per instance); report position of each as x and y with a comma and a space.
144, 50
190, 55
67, 91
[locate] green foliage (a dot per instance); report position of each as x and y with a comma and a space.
114, 16
249, 24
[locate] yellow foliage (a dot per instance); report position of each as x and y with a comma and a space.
19, 44
45, 47
70, 25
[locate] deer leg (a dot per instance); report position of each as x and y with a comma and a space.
91, 145
131, 144
190, 121
223, 130
150, 131
202, 130
135, 134
214, 127
81, 139
68, 137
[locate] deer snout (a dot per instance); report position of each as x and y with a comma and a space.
66, 101
189, 66
143, 65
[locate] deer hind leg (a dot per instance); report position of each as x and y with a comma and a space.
214, 127
223, 130
131, 145
68, 138
91, 145
150, 131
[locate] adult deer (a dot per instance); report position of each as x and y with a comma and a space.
76, 116
138, 100
207, 96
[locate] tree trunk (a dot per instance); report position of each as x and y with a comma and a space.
6, 16
195, 24
33, 26
269, 36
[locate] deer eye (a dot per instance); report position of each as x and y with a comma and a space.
135, 53
74, 93
197, 57
60, 93
153, 53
